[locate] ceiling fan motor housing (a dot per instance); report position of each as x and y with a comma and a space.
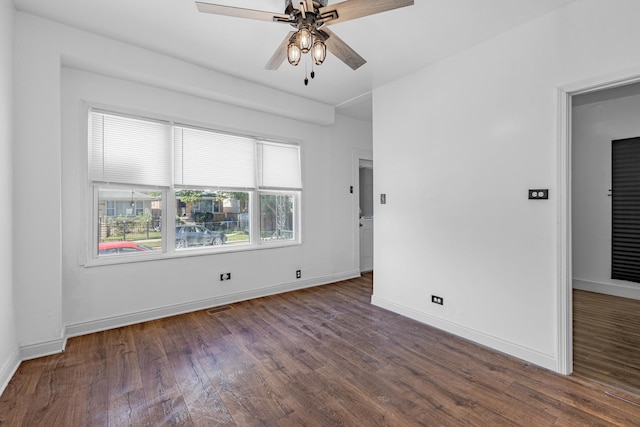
316, 3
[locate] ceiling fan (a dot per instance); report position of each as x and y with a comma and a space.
311, 18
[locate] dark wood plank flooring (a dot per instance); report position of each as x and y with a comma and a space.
606, 339
317, 357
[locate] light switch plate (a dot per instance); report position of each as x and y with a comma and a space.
383, 199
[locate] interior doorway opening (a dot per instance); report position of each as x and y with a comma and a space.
566, 226
365, 200
605, 172
362, 170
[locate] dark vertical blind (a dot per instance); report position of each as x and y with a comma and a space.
625, 209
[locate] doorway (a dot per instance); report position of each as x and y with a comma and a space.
568, 211
605, 154
365, 173
363, 225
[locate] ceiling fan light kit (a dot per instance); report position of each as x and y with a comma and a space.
319, 52
294, 54
310, 19
304, 38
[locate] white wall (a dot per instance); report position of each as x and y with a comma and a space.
456, 147
8, 343
56, 72
596, 121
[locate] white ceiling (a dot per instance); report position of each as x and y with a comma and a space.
394, 43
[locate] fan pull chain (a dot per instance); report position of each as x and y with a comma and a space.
306, 72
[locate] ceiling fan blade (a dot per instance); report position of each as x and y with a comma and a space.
239, 12
280, 54
352, 9
342, 50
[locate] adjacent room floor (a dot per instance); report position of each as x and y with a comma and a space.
606, 339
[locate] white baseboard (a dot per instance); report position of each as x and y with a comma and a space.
524, 353
89, 327
9, 368
45, 348
622, 289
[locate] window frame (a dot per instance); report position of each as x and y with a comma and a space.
169, 202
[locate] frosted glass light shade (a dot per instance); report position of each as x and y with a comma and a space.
319, 52
294, 54
304, 39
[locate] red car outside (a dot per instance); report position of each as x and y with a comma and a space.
122, 247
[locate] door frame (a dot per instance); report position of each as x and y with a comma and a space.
565, 273
356, 155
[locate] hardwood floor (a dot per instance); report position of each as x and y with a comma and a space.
317, 357
606, 339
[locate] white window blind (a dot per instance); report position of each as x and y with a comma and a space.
205, 158
129, 150
278, 166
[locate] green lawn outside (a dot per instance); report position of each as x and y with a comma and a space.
155, 241
237, 237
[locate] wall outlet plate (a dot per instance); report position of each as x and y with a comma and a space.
542, 194
437, 300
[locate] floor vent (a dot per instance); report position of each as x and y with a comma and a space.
216, 310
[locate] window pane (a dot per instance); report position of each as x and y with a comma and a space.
129, 221
277, 216
211, 218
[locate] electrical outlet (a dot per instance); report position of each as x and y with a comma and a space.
437, 300
225, 276
539, 194
298, 274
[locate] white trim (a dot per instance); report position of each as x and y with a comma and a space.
616, 289
8, 369
45, 348
607, 81
92, 326
540, 359
565, 304
564, 256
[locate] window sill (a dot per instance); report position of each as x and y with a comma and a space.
186, 253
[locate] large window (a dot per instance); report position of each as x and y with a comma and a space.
160, 187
